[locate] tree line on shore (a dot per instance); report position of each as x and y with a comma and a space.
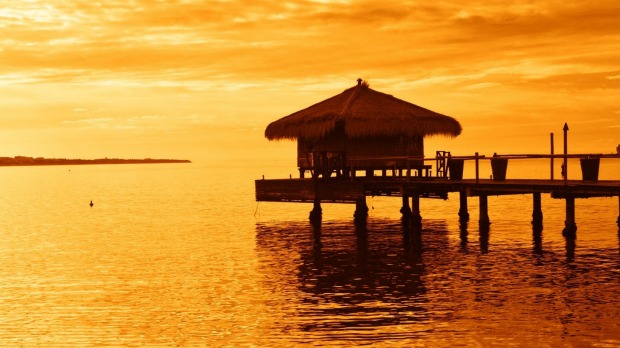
36, 161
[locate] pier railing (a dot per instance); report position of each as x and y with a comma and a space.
448, 166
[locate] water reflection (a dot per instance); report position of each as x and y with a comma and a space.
316, 234
390, 281
484, 238
463, 225
366, 275
537, 239
570, 246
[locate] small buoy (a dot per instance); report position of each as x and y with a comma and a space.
91, 203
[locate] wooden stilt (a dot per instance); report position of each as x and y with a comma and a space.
463, 213
483, 219
537, 215
361, 209
570, 227
416, 218
405, 209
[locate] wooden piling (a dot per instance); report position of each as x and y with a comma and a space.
537, 215
361, 209
463, 213
570, 227
405, 209
483, 219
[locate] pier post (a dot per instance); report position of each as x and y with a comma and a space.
317, 212
565, 164
463, 213
361, 209
416, 218
405, 209
477, 169
483, 219
537, 215
570, 227
552, 153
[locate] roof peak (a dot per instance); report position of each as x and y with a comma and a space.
362, 82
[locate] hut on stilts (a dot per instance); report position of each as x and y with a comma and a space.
360, 129
363, 130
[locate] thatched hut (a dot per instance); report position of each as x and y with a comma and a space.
360, 129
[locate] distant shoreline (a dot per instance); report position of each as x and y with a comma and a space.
41, 161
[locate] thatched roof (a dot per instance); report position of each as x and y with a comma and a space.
362, 112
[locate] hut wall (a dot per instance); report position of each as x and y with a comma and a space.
305, 149
383, 152
378, 152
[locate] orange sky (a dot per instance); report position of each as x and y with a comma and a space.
201, 80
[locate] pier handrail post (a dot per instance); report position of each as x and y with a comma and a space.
552, 152
565, 167
477, 169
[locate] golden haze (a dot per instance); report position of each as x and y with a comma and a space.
202, 79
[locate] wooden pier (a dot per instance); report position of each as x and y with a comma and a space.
354, 189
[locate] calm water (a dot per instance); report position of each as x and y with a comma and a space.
182, 255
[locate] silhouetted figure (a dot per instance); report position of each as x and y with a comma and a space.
91, 204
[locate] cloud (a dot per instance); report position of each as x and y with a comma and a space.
266, 40
151, 63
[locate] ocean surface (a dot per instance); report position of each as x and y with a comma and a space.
182, 255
